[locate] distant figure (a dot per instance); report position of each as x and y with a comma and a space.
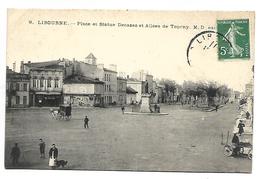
86, 120
240, 127
247, 115
235, 142
216, 107
15, 154
155, 108
53, 155
42, 148
123, 109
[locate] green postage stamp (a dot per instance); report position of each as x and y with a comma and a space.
235, 45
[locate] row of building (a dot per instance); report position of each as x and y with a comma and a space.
80, 83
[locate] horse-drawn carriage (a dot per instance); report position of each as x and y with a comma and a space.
63, 113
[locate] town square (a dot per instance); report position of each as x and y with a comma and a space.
188, 132
184, 140
159, 97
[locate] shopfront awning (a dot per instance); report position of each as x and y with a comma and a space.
48, 93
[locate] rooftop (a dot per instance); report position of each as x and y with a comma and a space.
91, 56
133, 79
42, 64
10, 74
79, 79
108, 70
49, 64
130, 90
121, 78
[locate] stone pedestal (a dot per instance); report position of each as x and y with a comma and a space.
145, 103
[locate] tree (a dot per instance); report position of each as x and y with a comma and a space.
169, 86
213, 89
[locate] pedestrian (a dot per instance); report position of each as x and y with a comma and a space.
240, 127
15, 154
216, 108
42, 148
247, 115
123, 109
236, 144
53, 155
86, 120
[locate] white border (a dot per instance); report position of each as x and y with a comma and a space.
230, 5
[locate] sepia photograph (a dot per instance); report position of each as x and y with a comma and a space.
129, 90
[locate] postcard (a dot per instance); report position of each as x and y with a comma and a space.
130, 90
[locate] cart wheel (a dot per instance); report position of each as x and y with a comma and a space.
228, 150
250, 154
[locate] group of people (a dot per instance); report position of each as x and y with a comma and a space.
16, 152
53, 154
235, 140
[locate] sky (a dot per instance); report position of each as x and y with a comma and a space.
160, 51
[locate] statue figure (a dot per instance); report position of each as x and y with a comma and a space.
146, 87
231, 35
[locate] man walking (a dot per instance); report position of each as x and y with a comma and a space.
123, 109
53, 155
86, 120
15, 154
42, 148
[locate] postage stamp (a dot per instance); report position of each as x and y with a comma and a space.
237, 32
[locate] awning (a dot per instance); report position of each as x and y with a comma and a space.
48, 93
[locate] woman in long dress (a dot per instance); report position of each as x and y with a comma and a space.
53, 155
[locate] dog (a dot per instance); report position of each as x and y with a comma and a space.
61, 163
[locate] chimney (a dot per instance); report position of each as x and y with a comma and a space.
22, 67
14, 66
127, 76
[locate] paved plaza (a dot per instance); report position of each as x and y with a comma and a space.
184, 140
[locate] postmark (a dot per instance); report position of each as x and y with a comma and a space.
206, 40
237, 33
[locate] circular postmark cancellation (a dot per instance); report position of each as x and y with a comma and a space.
206, 40
231, 39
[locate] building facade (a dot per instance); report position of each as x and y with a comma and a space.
137, 86
121, 90
130, 95
83, 91
17, 89
46, 80
110, 86
46, 87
